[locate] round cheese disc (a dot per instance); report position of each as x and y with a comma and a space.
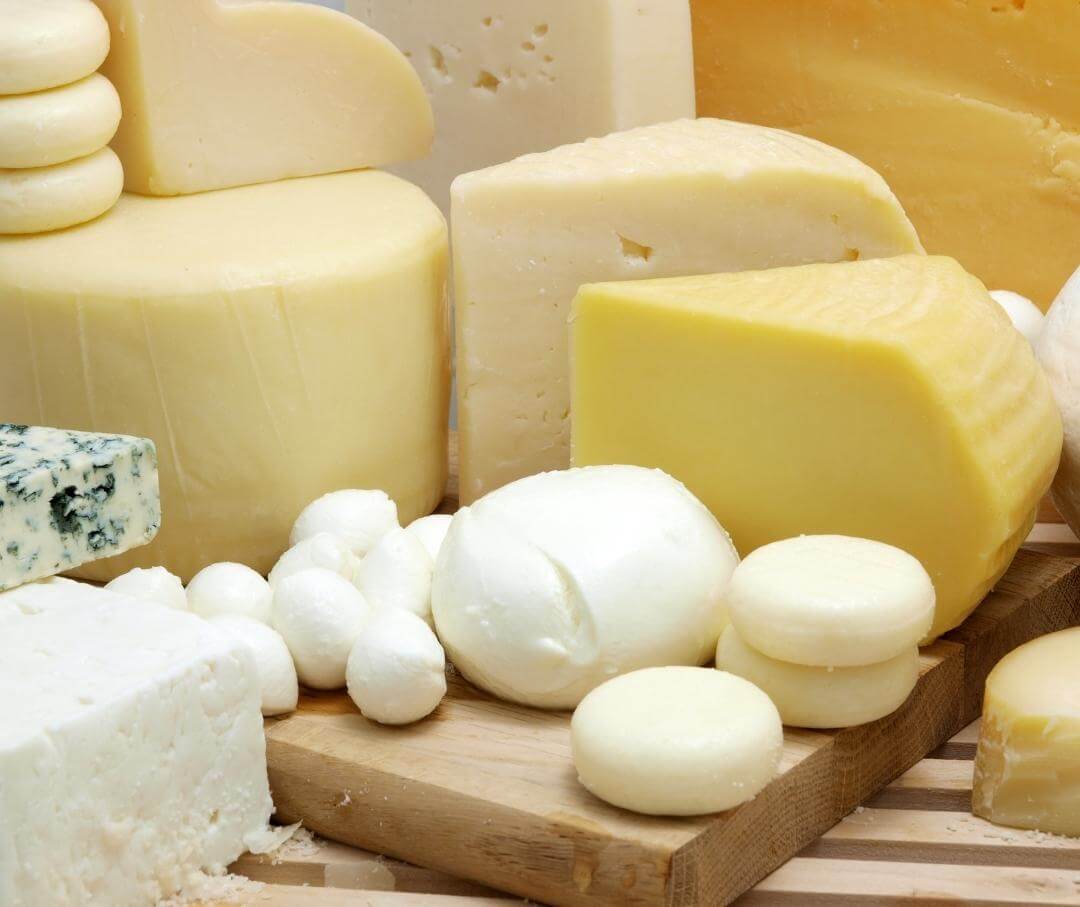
61, 124
816, 697
831, 601
676, 741
45, 43
51, 198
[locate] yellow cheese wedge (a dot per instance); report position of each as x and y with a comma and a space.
50, 198
45, 43
688, 197
1027, 768
277, 342
971, 111
219, 94
889, 400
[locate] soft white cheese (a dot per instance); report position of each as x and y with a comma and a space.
230, 589
320, 550
397, 574
431, 531
1026, 317
358, 517
154, 584
277, 673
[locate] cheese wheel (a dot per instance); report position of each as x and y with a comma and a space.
831, 601
814, 697
50, 127
45, 43
676, 741
51, 198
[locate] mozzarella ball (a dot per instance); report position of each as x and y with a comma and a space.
358, 518
154, 584
230, 589
320, 615
321, 550
431, 531
397, 574
1026, 317
549, 586
676, 741
397, 670
277, 674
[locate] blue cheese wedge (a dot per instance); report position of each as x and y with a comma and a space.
69, 497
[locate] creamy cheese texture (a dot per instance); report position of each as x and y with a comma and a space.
890, 400
277, 342
46, 43
68, 498
131, 750
507, 77
220, 94
686, 197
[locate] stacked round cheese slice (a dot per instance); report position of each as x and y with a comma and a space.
829, 627
57, 116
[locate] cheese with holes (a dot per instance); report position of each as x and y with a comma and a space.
688, 197
68, 498
507, 77
971, 111
220, 94
1027, 767
889, 400
276, 342
131, 751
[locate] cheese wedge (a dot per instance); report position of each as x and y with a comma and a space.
688, 197
888, 400
219, 94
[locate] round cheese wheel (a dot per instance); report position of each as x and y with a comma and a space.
51, 127
676, 741
815, 697
831, 600
51, 198
45, 43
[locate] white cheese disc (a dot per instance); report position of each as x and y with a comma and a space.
676, 741
831, 600
1026, 317
230, 589
396, 573
154, 584
320, 550
45, 43
359, 518
815, 697
431, 531
277, 673
51, 198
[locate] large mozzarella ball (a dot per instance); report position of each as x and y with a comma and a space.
230, 589
277, 673
397, 670
551, 585
431, 531
154, 584
1026, 317
320, 615
397, 574
358, 518
321, 550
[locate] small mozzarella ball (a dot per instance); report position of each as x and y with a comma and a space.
397, 574
358, 518
155, 584
397, 670
230, 589
1026, 317
320, 615
431, 530
277, 673
321, 550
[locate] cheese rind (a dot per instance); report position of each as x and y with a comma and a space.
889, 400
68, 498
45, 43
687, 197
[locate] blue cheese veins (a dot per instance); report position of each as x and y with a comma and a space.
69, 497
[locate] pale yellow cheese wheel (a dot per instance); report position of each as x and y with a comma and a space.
58, 125
45, 43
50, 198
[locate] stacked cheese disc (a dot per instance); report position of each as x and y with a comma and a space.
57, 116
829, 627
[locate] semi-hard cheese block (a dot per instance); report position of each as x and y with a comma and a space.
131, 751
46, 43
971, 111
277, 342
889, 400
68, 497
1027, 767
688, 197
220, 94
507, 77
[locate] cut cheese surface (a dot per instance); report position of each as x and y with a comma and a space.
220, 94
277, 342
46, 43
889, 400
1027, 768
506, 77
687, 197
970, 110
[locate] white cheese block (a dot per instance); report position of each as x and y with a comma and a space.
689, 197
68, 498
131, 750
506, 77
45, 43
